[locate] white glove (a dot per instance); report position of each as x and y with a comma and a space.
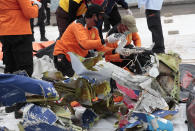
35, 2
129, 12
142, 9
113, 38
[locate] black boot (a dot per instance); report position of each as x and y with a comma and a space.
43, 38
37, 24
47, 23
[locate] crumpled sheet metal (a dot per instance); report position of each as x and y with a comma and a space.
33, 114
52, 76
167, 114
42, 65
166, 95
137, 82
89, 62
123, 77
154, 71
99, 76
127, 91
146, 85
172, 60
79, 90
42, 118
149, 122
169, 74
151, 99
102, 90
82, 90
14, 89
108, 70
61, 111
149, 103
89, 118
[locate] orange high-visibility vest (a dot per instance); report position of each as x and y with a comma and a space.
15, 17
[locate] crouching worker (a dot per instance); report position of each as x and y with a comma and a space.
126, 27
80, 37
121, 37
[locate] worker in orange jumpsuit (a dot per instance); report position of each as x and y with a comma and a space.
128, 27
16, 34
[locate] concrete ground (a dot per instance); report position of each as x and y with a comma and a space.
175, 9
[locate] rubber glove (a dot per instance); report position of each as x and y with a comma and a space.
35, 2
113, 38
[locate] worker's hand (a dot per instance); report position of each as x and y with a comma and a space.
35, 2
142, 9
113, 38
128, 12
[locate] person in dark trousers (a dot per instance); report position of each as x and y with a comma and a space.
152, 10
47, 9
68, 11
40, 22
46, 5
16, 35
113, 13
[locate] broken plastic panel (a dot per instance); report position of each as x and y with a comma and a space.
123, 77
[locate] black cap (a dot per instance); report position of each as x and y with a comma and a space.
93, 9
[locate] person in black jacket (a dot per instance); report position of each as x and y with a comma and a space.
113, 13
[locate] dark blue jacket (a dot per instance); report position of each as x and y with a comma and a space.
111, 4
